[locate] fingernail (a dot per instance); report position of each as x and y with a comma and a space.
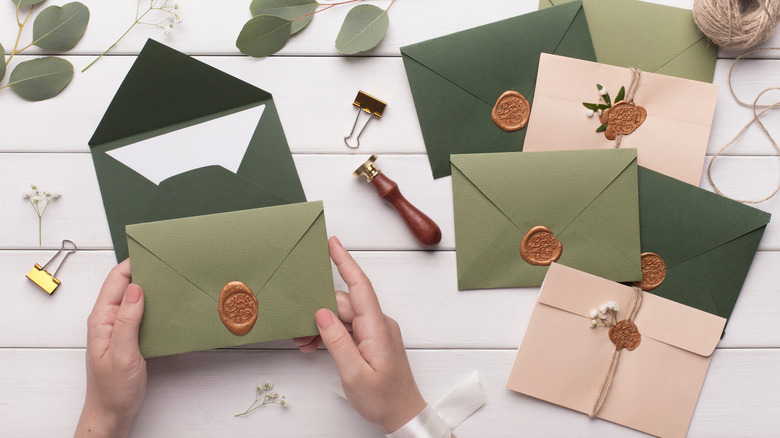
133, 294
324, 318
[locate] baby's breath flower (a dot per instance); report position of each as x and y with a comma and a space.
603, 91
594, 313
40, 201
602, 316
264, 397
589, 113
26, 194
600, 112
603, 308
593, 323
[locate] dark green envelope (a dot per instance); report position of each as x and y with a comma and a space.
456, 79
167, 91
706, 241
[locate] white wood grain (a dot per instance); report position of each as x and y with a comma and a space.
41, 392
353, 210
418, 289
317, 112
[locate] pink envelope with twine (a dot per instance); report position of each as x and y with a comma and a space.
672, 139
652, 388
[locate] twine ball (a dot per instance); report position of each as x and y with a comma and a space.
737, 24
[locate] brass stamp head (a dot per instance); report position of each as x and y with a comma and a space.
368, 169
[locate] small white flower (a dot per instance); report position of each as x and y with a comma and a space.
603, 316
589, 113
594, 313
26, 194
36, 199
593, 323
611, 305
267, 386
273, 395
177, 18
615, 307
284, 403
603, 91
603, 308
599, 112
57, 194
168, 29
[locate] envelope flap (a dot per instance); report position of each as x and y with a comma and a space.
259, 241
186, 89
666, 321
679, 221
543, 188
632, 33
491, 59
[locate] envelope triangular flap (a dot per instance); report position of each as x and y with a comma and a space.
269, 235
498, 51
683, 221
564, 182
164, 88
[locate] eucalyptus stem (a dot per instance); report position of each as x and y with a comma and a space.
19, 34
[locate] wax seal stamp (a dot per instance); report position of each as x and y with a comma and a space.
540, 247
237, 308
622, 119
511, 111
625, 334
653, 271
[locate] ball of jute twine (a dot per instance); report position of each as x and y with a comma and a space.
737, 24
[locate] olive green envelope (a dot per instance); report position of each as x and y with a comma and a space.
655, 38
182, 110
587, 198
456, 79
280, 253
706, 241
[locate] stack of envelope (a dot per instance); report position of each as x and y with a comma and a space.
186, 156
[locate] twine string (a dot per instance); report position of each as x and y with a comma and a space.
756, 119
737, 24
636, 75
635, 305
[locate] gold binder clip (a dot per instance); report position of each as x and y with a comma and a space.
371, 105
42, 278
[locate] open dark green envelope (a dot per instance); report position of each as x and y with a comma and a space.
655, 38
167, 91
588, 199
456, 79
706, 241
280, 253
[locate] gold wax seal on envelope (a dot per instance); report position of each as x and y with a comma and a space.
622, 119
540, 247
653, 271
238, 308
625, 334
511, 111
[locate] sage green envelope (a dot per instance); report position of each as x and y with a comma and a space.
280, 253
164, 97
587, 198
456, 79
655, 38
707, 241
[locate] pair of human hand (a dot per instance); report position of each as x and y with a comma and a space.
371, 361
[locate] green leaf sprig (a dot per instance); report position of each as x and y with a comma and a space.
55, 29
597, 107
275, 21
171, 15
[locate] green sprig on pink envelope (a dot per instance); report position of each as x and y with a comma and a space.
603, 106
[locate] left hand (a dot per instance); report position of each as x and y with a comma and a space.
116, 371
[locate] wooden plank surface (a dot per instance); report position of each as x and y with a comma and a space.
448, 333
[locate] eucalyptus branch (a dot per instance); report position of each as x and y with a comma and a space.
19, 34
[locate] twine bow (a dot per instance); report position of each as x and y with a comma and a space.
635, 305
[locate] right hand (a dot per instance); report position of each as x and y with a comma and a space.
373, 367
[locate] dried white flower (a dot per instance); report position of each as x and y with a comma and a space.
600, 112
589, 113
593, 323
603, 91
594, 313
603, 316
603, 308
168, 29
26, 194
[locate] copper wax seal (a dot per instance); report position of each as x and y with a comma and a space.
511, 111
540, 247
622, 119
653, 271
238, 308
625, 334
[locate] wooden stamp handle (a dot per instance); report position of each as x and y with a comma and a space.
424, 228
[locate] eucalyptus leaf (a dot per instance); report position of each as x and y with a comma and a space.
363, 28
602, 106
591, 106
60, 28
607, 99
288, 9
41, 78
2, 63
601, 128
263, 35
621, 94
23, 3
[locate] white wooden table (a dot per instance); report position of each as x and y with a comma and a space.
448, 333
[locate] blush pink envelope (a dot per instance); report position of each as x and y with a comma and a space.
564, 361
672, 140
